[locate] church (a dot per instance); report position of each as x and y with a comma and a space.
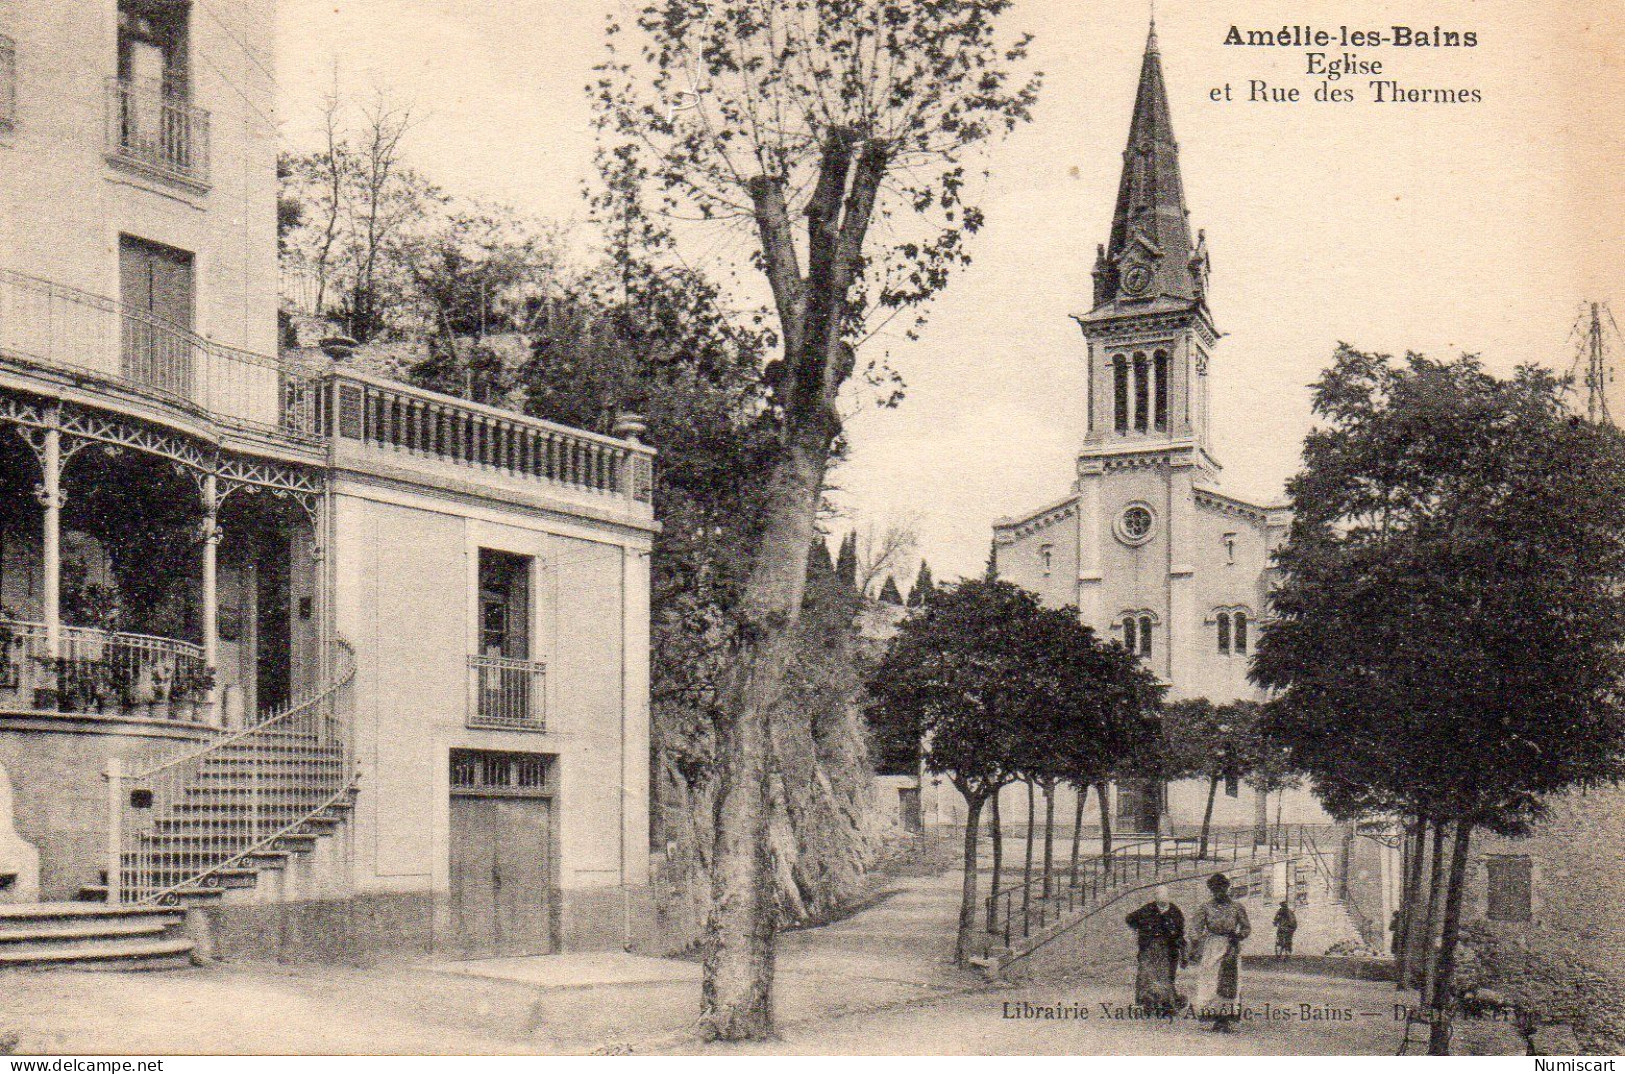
1146, 543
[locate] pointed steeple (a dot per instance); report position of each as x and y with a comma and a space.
1150, 259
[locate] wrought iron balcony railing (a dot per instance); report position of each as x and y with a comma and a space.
50, 326
508, 694
61, 327
100, 673
157, 130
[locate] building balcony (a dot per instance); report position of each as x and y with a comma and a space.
125, 359
438, 439
98, 674
156, 130
507, 694
57, 327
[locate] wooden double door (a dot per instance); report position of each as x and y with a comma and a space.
501, 875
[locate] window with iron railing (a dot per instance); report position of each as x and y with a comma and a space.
151, 120
8, 82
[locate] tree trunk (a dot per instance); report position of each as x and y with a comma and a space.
996, 821
1409, 912
736, 992
1430, 940
1207, 816
736, 995
1105, 821
964, 948
1027, 864
1439, 1029
1082, 791
1049, 837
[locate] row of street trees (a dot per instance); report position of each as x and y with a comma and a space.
995, 689
998, 689
1448, 626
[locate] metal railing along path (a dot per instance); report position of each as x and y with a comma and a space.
1020, 916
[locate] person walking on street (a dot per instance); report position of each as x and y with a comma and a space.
1286, 923
1160, 928
1217, 931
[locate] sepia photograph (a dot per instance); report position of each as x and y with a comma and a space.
811, 527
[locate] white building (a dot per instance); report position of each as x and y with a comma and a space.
367, 665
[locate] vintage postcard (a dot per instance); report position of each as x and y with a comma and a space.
717, 527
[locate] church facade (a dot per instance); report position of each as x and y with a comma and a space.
1147, 544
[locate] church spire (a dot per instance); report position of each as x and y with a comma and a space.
1150, 259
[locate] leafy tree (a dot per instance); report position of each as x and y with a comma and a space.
958, 677
1449, 628
842, 114
1215, 742
345, 210
923, 586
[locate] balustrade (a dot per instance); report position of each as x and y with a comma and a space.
101, 673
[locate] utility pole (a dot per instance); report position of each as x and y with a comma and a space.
1593, 351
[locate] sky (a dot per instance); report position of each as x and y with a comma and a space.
1478, 228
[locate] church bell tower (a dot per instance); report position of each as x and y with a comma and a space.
1145, 447
1149, 330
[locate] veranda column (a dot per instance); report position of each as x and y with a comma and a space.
211, 593
50, 497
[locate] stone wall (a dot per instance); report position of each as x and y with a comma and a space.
60, 795
1568, 961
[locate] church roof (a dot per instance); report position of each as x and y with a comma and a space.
1150, 263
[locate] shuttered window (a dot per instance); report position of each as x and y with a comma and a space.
1511, 883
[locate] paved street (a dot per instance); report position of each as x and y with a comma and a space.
877, 982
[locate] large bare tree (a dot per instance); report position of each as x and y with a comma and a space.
838, 136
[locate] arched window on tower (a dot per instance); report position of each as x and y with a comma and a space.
1141, 392
1160, 403
1145, 635
1120, 391
1131, 637
1241, 632
1224, 633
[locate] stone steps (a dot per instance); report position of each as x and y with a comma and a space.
80, 934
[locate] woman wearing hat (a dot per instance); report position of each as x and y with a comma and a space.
1217, 929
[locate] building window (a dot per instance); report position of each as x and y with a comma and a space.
1159, 370
1137, 634
1046, 555
1224, 633
1135, 524
155, 289
1120, 392
8, 82
504, 605
1229, 548
1510, 888
1240, 631
150, 117
1141, 393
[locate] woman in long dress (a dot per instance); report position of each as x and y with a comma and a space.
1160, 927
1217, 930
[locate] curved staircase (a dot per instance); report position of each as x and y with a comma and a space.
218, 818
